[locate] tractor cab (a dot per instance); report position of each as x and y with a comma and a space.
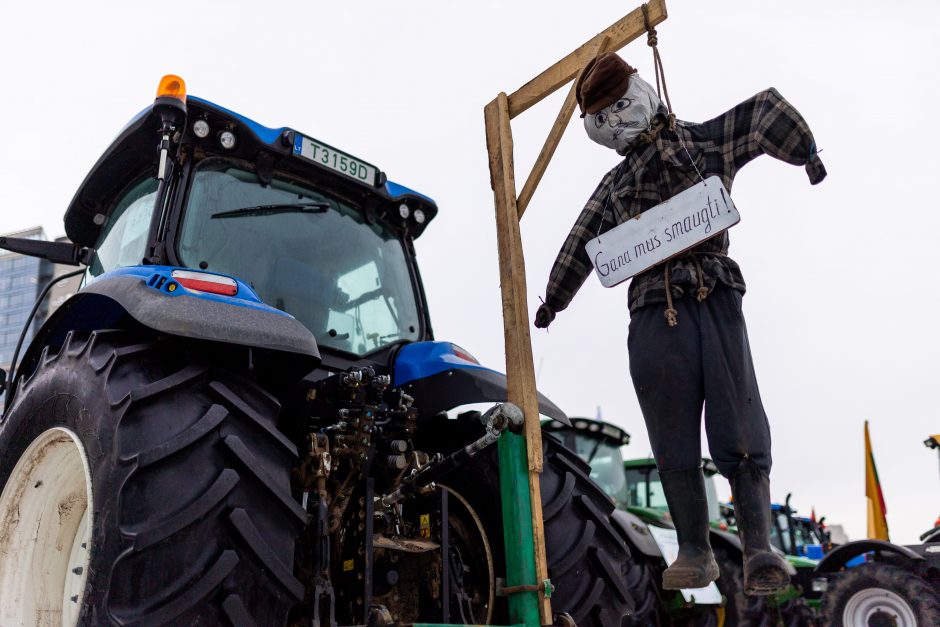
309, 229
599, 444
798, 536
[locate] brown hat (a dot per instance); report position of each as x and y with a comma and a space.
604, 79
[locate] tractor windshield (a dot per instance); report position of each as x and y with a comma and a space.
304, 252
780, 532
123, 240
606, 463
645, 490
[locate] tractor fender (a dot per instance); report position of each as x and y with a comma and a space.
131, 293
838, 557
445, 376
637, 533
731, 540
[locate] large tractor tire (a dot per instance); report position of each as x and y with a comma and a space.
880, 594
587, 557
144, 485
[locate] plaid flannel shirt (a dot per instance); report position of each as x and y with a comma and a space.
652, 173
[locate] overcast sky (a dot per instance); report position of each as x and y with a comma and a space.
841, 301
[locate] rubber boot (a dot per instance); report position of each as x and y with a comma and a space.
765, 572
685, 493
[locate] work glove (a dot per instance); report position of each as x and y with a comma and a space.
544, 316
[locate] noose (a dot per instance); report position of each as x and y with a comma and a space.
652, 41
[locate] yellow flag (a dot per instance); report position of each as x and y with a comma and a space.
877, 523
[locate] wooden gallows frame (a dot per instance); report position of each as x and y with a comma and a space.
509, 209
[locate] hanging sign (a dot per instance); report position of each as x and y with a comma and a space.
664, 231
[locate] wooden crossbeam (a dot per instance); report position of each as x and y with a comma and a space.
551, 142
620, 33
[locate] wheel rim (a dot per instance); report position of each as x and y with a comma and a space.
45, 532
877, 607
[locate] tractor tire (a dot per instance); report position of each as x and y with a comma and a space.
880, 594
797, 613
587, 557
181, 512
741, 610
641, 584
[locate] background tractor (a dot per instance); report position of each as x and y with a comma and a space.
876, 582
241, 417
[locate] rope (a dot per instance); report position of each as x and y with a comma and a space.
649, 136
652, 40
671, 314
702, 292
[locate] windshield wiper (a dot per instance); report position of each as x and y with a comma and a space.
266, 210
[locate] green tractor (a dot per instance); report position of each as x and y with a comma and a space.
642, 512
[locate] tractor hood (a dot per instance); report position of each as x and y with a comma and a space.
135, 152
441, 376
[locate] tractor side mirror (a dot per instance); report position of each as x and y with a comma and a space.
57, 252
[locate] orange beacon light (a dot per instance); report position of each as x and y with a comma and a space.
172, 86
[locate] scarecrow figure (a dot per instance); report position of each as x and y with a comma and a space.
688, 343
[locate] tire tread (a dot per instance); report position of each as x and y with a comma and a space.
185, 527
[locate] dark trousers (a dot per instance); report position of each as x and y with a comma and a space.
704, 360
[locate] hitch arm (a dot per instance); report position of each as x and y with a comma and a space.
496, 420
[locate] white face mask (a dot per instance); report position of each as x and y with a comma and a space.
617, 125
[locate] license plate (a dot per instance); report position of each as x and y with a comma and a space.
336, 160
662, 232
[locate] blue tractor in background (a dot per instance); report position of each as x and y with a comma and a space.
243, 417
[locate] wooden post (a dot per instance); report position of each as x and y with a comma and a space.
521, 383
520, 371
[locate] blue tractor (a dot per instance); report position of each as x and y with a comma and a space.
243, 418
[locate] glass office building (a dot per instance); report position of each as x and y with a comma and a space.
21, 280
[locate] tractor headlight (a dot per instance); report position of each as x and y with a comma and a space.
820, 585
419, 216
227, 139
201, 129
403, 210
